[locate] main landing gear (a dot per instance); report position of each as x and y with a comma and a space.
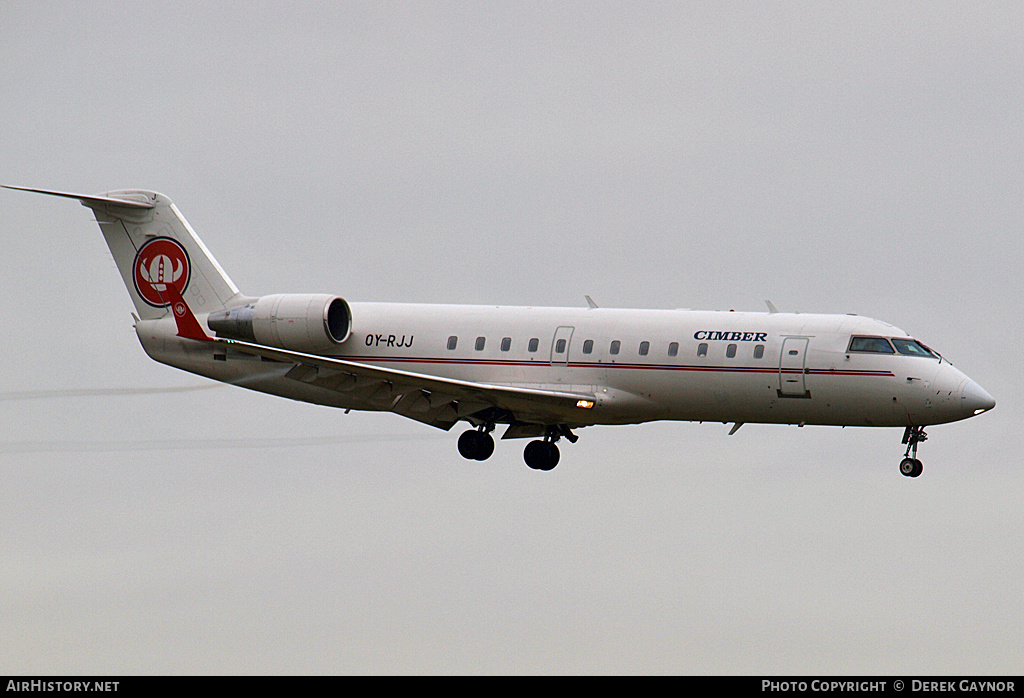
478, 444
910, 466
541, 455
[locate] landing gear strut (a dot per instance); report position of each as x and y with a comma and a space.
910, 466
477, 444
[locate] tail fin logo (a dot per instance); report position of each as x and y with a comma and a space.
159, 263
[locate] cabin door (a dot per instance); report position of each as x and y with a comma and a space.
560, 345
792, 366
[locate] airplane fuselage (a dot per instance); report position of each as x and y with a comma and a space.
640, 365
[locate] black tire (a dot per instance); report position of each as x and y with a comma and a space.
551, 456
541, 455
534, 454
484, 445
468, 445
911, 467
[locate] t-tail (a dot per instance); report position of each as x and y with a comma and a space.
160, 257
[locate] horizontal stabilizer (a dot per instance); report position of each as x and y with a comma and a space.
86, 199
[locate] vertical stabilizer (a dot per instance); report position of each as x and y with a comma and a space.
153, 245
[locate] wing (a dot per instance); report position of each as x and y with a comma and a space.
434, 400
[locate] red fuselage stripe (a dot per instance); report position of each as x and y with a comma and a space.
635, 367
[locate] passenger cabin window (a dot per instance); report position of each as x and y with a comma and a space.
532, 346
453, 342
911, 347
871, 345
480, 341
673, 349
614, 349
644, 348
730, 351
759, 351
702, 349
588, 346
560, 346
506, 343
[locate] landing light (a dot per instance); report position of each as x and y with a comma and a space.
585, 404
980, 410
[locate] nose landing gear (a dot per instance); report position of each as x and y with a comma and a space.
910, 466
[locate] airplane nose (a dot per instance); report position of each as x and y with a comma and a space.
974, 399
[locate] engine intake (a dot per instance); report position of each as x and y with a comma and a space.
299, 322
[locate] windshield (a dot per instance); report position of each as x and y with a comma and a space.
872, 345
912, 347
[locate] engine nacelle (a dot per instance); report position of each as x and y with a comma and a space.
310, 323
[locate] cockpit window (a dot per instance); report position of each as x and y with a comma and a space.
874, 345
912, 347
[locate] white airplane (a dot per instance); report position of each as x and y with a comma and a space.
542, 371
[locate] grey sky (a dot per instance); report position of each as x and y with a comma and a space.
855, 157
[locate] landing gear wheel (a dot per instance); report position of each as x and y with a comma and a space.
484, 445
911, 467
476, 445
467, 445
541, 455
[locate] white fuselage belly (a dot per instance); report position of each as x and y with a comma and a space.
804, 374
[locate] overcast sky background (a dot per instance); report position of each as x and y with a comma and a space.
852, 157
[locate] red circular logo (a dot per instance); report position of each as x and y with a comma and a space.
159, 262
